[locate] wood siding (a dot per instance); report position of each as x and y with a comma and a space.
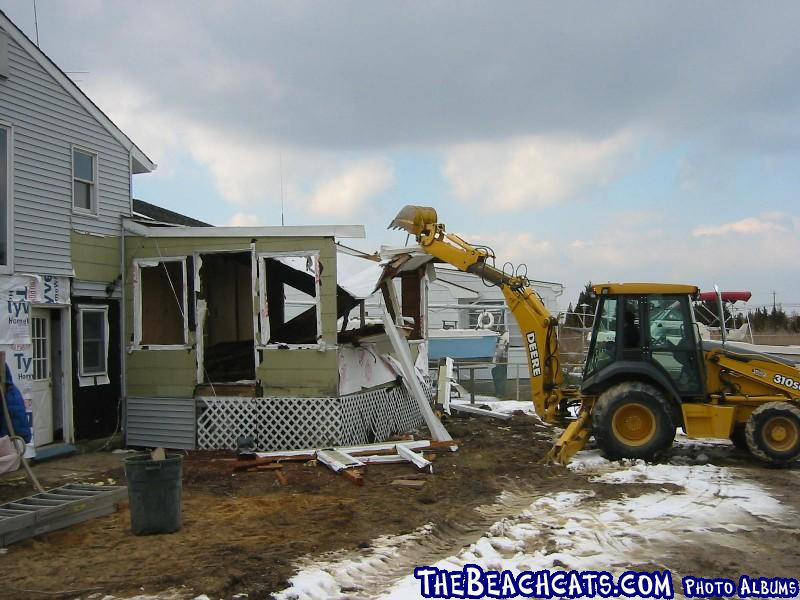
95, 257
47, 121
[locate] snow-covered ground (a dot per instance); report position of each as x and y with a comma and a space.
502, 406
699, 503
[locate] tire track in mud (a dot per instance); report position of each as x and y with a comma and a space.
367, 574
610, 518
373, 570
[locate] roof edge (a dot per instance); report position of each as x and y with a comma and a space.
334, 231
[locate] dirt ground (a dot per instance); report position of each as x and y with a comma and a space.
244, 533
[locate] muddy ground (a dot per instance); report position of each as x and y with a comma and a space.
246, 532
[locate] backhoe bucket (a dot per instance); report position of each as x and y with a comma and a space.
572, 440
414, 219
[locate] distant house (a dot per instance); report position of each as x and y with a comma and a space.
65, 187
456, 300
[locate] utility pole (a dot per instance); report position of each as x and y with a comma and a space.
774, 306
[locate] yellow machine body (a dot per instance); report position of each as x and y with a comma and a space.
736, 383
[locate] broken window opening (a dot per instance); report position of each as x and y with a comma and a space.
411, 283
228, 337
290, 296
161, 318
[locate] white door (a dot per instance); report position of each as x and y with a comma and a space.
42, 383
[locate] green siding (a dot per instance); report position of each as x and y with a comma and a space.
94, 257
172, 373
304, 373
167, 373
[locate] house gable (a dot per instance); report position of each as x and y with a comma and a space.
140, 161
49, 117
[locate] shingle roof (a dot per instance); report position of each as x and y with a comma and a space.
165, 215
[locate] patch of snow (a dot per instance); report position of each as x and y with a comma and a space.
588, 460
325, 578
575, 529
502, 406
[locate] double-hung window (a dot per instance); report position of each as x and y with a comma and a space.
93, 340
5, 197
84, 181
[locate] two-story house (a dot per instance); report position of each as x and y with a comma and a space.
119, 314
65, 187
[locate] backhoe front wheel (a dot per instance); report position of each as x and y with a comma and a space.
773, 433
632, 420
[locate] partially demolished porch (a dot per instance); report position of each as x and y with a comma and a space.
246, 333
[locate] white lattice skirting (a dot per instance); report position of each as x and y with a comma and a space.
292, 423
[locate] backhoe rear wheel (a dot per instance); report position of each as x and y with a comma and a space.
773, 433
632, 420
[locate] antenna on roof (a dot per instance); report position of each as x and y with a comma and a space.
36, 23
280, 155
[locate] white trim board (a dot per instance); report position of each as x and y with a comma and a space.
180, 231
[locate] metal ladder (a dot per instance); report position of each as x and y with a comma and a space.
55, 509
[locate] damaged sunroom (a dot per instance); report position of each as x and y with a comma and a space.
248, 332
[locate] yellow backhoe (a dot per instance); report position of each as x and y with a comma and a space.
647, 370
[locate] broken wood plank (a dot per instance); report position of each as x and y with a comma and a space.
337, 460
474, 410
400, 346
381, 459
249, 464
309, 453
445, 383
420, 461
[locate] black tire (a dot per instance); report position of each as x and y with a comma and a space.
739, 438
773, 433
633, 420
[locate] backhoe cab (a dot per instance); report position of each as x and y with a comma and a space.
647, 370
644, 361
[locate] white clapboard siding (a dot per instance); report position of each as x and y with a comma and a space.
47, 121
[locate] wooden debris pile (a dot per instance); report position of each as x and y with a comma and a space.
350, 461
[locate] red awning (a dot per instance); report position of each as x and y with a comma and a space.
726, 296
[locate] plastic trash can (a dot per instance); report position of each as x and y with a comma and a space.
154, 493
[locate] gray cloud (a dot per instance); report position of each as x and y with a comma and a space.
361, 75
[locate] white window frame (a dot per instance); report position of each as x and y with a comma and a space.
93, 211
263, 340
138, 265
8, 268
83, 309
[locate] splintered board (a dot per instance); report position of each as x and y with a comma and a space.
55, 509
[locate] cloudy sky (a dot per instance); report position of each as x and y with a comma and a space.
592, 141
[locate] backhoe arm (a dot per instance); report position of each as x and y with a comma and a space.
538, 327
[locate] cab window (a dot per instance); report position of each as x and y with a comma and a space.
671, 340
601, 351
